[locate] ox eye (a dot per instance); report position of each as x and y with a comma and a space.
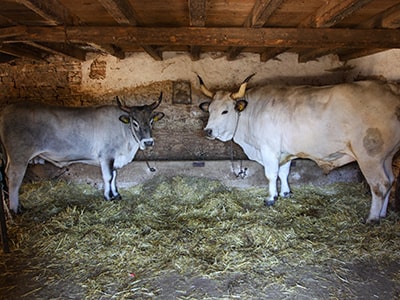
135, 124
224, 112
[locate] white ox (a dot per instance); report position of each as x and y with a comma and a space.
332, 125
107, 136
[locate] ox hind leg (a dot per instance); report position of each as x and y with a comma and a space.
109, 179
380, 183
389, 172
15, 172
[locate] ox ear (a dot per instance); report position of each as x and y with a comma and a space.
124, 119
204, 106
240, 105
158, 116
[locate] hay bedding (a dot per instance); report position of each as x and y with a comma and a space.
193, 238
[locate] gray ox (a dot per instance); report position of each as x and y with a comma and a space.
332, 125
106, 136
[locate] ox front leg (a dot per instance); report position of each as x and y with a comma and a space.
109, 178
271, 172
283, 177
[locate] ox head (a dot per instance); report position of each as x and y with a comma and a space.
140, 120
223, 109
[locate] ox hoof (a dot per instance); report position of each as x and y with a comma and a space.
372, 222
116, 198
269, 202
18, 211
287, 195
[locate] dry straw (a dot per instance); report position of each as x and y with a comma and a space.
193, 227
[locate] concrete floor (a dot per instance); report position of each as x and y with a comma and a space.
302, 172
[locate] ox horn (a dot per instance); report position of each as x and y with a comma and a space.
155, 104
242, 90
204, 89
121, 106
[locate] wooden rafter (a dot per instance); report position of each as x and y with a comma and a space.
52, 11
124, 14
63, 49
325, 17
12, 31
110, 49
197, 18
221, 36
334, 12
121, 11
18, 51
261, 12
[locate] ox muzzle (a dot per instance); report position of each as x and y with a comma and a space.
146, 143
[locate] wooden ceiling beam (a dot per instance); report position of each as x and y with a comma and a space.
12, 31
344, 56
18, 51
259, 16
110, 49
327, 16
197, 18
387, 19
4, 58
334, 12
63, 49
121, 11
52, 11
221, 36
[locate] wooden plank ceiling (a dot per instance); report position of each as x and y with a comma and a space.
36, 29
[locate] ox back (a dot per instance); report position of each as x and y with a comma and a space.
332, 125
105, 136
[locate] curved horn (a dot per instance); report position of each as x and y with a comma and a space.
204, 89
242, 90
155, 104
122, 107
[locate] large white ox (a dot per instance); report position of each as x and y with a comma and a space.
332, 125
107, 136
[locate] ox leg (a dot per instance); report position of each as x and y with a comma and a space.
283, 177
380, 185
389, 172
109, 178
15, 173
271, 170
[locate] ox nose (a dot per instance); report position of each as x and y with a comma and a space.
149, 143
208, 132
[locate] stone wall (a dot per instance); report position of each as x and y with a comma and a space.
139, 79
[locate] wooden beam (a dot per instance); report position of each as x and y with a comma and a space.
121, 11
12, 31
51, 10
344, 56
197, 18
334, 12
260, 13
222, 37
18, 51
327, 16
387, 19
6, 57
153, 51
197, 13
271, 53
390, 19
110, 49
63, 49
